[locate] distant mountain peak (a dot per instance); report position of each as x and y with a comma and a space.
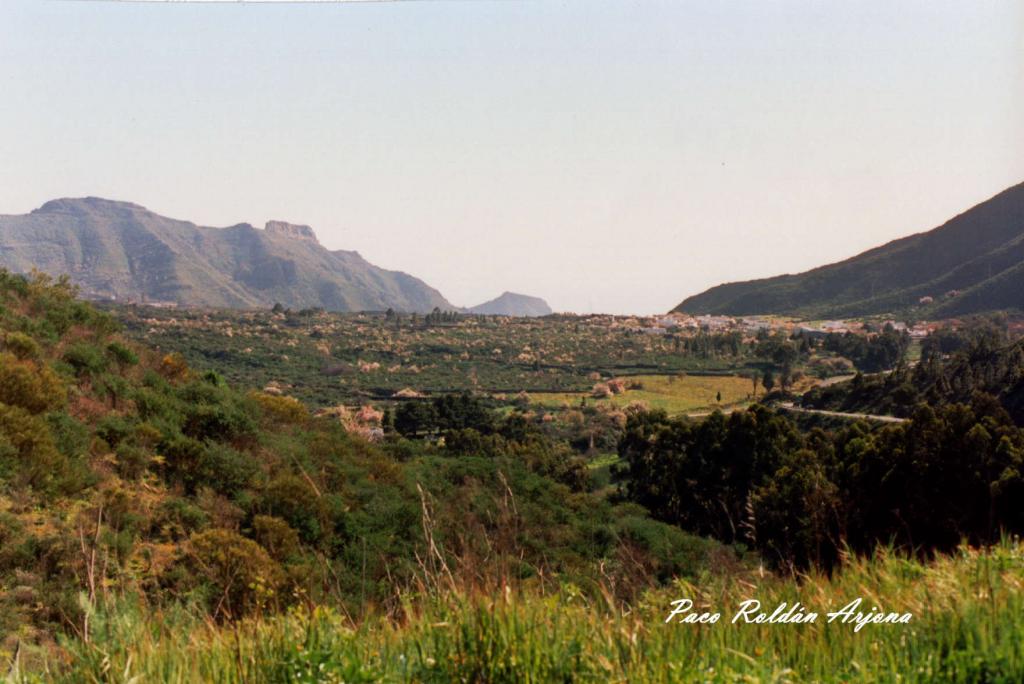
512, 304
295, 231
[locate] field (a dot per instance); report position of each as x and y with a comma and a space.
675, 394
328, 358
967, 616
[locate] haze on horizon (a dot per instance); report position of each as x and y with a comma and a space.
606, 156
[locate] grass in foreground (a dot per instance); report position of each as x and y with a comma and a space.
968, 626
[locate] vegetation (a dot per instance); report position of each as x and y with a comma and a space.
674, 394
954, 367
326, 358
968, 615
870, 354
126, 473
160, 521
803, 500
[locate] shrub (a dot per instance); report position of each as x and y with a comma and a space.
173, 367
29, 386
224, 422
21, 345
113, 429
242, 577
214, 378
86, 359
176, 519
290, 498
28, 447
226, 470
282, 410
132, 461
122, 355
70, 435
150, 403
182, 456
276, 536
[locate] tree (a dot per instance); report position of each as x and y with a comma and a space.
414, 417
768, 380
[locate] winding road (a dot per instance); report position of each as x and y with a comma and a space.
788, 406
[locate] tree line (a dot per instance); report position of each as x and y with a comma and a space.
801, 499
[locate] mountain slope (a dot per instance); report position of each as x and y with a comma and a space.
979, 254
123, 251
512, 304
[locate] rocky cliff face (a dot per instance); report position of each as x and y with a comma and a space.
122, 251
291, 230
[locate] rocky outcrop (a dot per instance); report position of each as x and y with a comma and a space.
295, 231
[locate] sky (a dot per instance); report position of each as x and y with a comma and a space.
606, 156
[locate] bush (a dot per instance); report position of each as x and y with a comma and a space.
182, 456
70, 435
21, 345
226, 470
276, 536
122, 355
113, 429
35, 388
150, 403
176, 519
281, 410
290, 498
241, 576
27, 448
132, 461
223, 422
86, 359
173, 367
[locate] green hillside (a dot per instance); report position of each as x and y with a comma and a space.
159, 524
970, 264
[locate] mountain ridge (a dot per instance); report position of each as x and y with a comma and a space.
972, 263
120, 250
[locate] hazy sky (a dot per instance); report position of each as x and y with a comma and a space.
607, 156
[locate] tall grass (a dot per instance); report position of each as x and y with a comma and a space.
968, 626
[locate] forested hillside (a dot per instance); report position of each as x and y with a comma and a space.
124, 473
955, 366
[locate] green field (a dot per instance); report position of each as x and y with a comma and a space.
330, 358
675, 394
